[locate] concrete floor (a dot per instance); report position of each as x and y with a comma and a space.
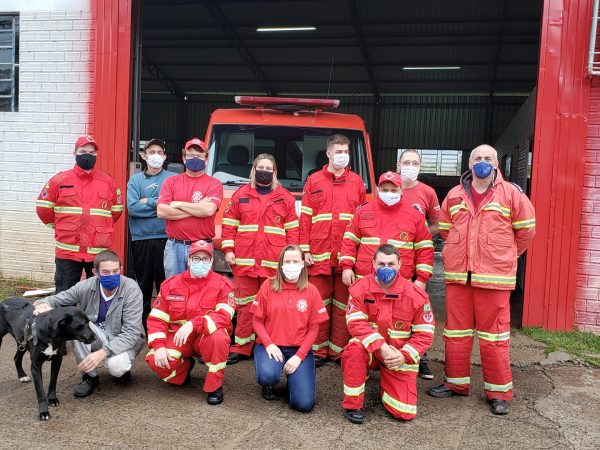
556, 405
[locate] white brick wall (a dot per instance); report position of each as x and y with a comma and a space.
37, 142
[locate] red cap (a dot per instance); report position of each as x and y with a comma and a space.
85, 140
390, 177
196, 142
201, 246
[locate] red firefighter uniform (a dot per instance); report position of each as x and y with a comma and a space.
399, 225
82, 208
209, 304
256, 228
401, 317
328, 205
480, 265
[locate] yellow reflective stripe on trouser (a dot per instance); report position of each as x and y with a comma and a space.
245, 261
529, 223
457, 381
154, 336
247, 228
350, 235
319, 346
412, 352
95, 250
225, 307
174, 353
216, 367
322, 217
493, 279
231, 222
424, 268
100, 212
498, 387
244, 341
161, 315
241, 301
292, 224
274, 230
494, 337
459, 333
335, 348
424, 328
444, 226
455, 276
69, 247
321, 257
338, 304
44, 204
354, 392
397, 405
68, 210
423, 244
408, 368
167, 378
210, 324
269, 264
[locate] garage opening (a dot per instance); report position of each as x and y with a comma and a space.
439, 77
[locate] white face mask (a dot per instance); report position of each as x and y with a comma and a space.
155, 161
292, 271
341, 159
390, 198
409, 173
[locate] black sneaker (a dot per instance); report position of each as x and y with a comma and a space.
215, 397
268, 393
356, 415
498, 406
235, 358
424, 371
188, 377
123, 379
319, 361
87, 386
442, 391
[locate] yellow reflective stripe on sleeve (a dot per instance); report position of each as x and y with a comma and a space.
493, 279
319, 346
401, 244
529, 223
154, 336
167, 378
494, 337
68, 210
245, 261
95, 250
497, 207
225, 307
412, 352
210, 324
305, 248
231, 222
459, 333
370, 241
408, 368
444, 226
351, 236
117, 208
322, 217
69, 247
247, 228
212, 368
269, 264
174, 353
228, 243
356, 316
346, 216
179, 322
354, 392
292, 224
335, 348
498, 387
306, 210
349, 258
326, 301
423, 244
161, 315
395, 334
244, 341
457, 381
370, 339
273, 230
321, 257
338, 304
44, 204
424, 268
398, 405
424, 328
244, 300
100, 212
455, 276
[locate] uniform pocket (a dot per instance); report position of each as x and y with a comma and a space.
67, 233
103, 237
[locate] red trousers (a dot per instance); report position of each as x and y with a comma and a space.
245, 289
471, 310
398, 387
333, 334
213, 349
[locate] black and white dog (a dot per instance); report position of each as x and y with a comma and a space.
44, 336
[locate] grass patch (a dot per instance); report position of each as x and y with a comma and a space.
582, 344
16, 286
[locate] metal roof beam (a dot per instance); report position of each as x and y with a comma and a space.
364, 49
159, 75
335, 81
447, 62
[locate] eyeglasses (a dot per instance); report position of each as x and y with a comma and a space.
198, 259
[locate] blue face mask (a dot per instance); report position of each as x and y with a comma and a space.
386, 274
110, 282
200, 269
482, 169
195, 164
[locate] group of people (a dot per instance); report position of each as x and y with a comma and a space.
345, 281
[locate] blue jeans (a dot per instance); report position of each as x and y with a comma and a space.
302, 384
175, 258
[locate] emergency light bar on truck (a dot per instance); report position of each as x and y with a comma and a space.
287, 102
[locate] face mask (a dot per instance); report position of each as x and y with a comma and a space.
390, 198
409, 173
263, 176
200, 269
85, 161
386, 274
292, 271
341, 159
482, 169
155, 161
110, 282
195, 164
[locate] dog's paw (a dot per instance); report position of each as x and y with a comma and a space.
25, 379
53, 402
44, 416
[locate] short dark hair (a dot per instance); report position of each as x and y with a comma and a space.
409, 150
106, 255
338, 139
386, 249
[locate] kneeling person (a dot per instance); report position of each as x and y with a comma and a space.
192, 317
113, 304
391, 324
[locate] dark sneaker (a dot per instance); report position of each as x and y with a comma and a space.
235, 358
123, 379
87, 386
498, 406
442, 391
215, 397
319, 361
355, 415
424, 371
188, 377
268, 393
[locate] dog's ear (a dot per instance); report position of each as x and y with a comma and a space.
65, 321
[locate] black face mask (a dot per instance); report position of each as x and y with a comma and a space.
85, 161
263, 176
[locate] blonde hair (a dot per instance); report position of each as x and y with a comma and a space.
277, 282
270, 158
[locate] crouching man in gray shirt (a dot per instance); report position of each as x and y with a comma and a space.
113, 304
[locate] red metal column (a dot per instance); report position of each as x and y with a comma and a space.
111, 89
558, 163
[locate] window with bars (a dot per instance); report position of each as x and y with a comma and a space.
9, 62
439, 162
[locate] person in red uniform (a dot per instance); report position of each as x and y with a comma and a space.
486, 223
188, 202
257, 224
287, 313
82, 205
392, 325
330, 199
190, 317
424, 199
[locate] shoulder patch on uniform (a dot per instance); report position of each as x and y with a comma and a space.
243, 200
519, 188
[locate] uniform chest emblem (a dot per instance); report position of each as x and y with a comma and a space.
418, 208
231, 299
277, 219
404, 236
428, 317
196, 197
400, 325
302, 306
175, 298
104, 205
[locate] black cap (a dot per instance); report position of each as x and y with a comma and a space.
155, 141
